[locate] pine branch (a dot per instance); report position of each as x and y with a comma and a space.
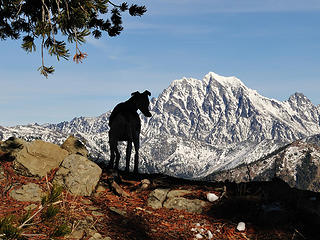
47, 18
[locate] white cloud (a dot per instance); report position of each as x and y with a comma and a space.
112, 53
173, 29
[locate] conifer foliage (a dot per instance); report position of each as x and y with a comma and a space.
49, 20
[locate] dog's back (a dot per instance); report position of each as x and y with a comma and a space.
124, 122
124, 108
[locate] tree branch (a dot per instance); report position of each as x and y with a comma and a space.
114, 4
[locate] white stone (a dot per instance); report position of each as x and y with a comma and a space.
241, 226
210, 235
212, 197
199, 236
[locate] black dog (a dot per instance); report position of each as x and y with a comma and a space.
125, 125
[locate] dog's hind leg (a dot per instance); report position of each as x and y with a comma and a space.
128, 155
113, 146
136, 155
117, 157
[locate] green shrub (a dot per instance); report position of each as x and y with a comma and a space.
61, 230
51, 212
53, 196
8, 231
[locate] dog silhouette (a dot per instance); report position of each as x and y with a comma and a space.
125, 125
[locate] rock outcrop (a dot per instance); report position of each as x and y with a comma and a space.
11, 147
189, 205
174, 199
78, 174
297, 164
29, 192
157, 197
74, 145
37, 158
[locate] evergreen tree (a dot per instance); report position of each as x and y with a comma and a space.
73, 19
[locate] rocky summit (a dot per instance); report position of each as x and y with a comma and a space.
197, 128
39, 159
77, 201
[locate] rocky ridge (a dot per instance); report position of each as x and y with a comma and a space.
38, 159
147, 207
205, 126
296, 164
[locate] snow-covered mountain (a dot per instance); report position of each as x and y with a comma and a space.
197, 127
297, 163
222, 110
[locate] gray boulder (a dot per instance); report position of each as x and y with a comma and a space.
178, 193
78, 174
35, 158
157, 197
181, 203
174, 199
11, 146
29, 192
74, 145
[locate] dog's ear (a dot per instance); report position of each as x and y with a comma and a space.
135, 93
147, 92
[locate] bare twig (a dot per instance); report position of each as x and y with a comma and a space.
42, 46
20, 6
116, 188
93, 224
33, 235
58, 5
224, 191
113, 4
67, 8
300, 234
119, 189
31, 224
57, 202
244, 235
41, 207
47, 182
29, 219
74, 226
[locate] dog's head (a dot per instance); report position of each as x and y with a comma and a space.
142, 102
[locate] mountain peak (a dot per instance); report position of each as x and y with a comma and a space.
299, 96
225, 81
210, 78
299, 99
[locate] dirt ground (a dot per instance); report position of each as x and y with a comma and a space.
129, 217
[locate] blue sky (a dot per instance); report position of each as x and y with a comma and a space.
273, 46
